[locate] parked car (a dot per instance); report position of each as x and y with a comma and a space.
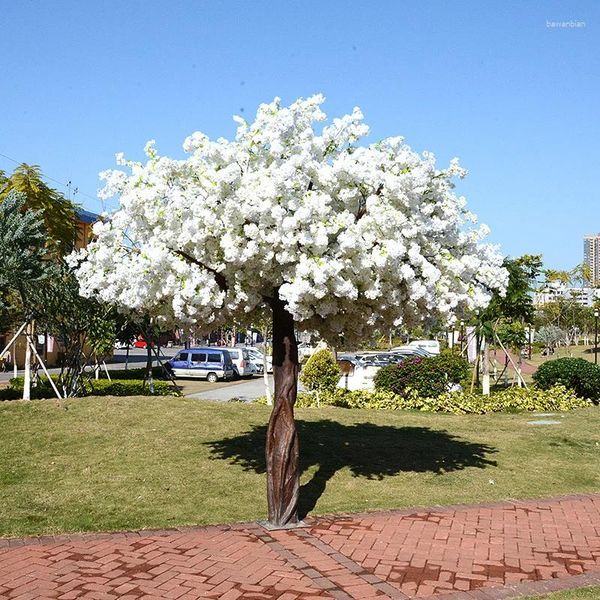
142, 344
206, 363
432, 346
380, 359
256, 356
411, 351
307, 350
242, 363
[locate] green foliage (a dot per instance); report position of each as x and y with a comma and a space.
57, 212
22, 257
10, 393
137, 373
427, 377
512, 334
454, 366
516, 304
320, 373
565, 313
94, 387
550, 336
577, 374
75, 321
130, 387
556, 398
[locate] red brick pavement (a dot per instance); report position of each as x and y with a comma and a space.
479, 552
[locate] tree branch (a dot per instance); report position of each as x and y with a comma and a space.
219, 277
362, 207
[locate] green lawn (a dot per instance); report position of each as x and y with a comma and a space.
580, 351
587, 593
122, 463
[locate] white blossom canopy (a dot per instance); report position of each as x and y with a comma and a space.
351, 237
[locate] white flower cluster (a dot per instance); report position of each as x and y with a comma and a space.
351, 237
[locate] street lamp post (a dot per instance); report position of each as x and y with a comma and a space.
462, 337
596, 337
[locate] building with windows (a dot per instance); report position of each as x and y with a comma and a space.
554, 292
591, 257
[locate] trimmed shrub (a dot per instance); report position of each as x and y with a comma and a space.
130, 387
320, 373
578, 374
9, 393
97, 387
137, 373
427, 377
556, 398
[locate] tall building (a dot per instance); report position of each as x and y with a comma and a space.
591, 257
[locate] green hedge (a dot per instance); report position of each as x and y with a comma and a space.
137, 373
9, 393
130, 387
577, 374
428, 377
557, 398
96, 387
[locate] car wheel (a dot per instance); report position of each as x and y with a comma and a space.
212, 378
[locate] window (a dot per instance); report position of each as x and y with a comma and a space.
214, 358
234, 354
198, 357
182, 356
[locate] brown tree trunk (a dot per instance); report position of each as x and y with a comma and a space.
283, 477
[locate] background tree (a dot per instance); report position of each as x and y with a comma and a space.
333, 237
550, 336
58, 212
23, 255
75, 321
581, 274
515, 305
557, 276
508, 313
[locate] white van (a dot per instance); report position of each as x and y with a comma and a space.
256, 356
242, 362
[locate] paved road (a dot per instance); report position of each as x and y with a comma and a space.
245, 390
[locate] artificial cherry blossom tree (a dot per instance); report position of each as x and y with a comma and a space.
330, 235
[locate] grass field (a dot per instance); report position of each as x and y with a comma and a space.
580, 351
585, 352
587, 593
123, 463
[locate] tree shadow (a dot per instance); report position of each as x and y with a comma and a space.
368, 450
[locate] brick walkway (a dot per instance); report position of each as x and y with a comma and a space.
483, 552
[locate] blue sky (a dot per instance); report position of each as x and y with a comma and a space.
491, 83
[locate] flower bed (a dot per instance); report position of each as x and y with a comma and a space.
556, 398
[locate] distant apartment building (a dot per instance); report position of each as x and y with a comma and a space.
591, 257
557, 291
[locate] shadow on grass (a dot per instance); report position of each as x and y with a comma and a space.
368, 450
